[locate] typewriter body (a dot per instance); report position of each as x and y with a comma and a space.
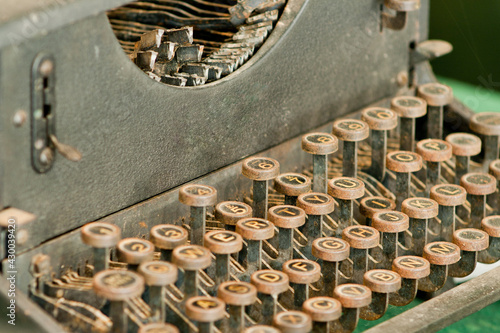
106, 115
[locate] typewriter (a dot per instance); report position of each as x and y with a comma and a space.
238, 166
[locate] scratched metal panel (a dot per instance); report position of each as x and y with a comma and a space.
140, 138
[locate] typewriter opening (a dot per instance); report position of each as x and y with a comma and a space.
193, 42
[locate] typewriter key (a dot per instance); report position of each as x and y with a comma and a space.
408, 108
470, 241
301, 273
464, 146
478, 186
320, 145
260, 170
440, 255
101, 236
369, 206
419, 210
495, 198
198, 197
167, 237
237, 295
491, 225
332, 251
345, 190
411, 269
350, 131
286, 218
436, 95
361, 239
205, 311
230, 212
293, 322
262, 329
292, 185
380, 121
158, 328
191, 258
254, 231
403, 163
382, 282
322, 310
353, 297
135, 251
488, 124
315, 205
434, 151
269, 285
391, 224
157, 275
117, 287
448, 196
223, 243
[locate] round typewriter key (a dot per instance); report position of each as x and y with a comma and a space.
331, 251
301, 273
471, 242
117, 287
254, 231
369, 206
411, 269
419, 210
360, 239
293, 322
260, 170
135, 251
157, 275
158, 328
223, 243
488, 124
403, 163
292, 185
315, 205
436, 95
440, 255
391, 224
101, 236
350, 131
262, 329
495, 198
198, 197
408, 108
382, 283
345, 190
191, 258
320, 145
269, 284
237, 295
403, 5
448, 196
478, 186
380, 121
286, 218
491, 225
230, 212
167, 237
353, 297
464, 146
205, 311
434, 151
322, 311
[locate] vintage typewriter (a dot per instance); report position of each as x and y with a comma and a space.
237, 165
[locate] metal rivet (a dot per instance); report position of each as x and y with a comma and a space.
19, 118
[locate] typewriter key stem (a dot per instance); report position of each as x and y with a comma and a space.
330, 277
198, 224
379, 151
190, 284
377, 307
418, 239
389, 248
156, 302
435, 280
492, 253
406, 294
491, 148
345, 215
402, 188
285, 252
433, 174
462, 166
359, 259
407, 135
320, 174
221, 268
254, 256
435, 122
268, 308
465, 266
236, 317
447, 215
101, 259
118, 316
350, 159
478, 209
347, 322
313, 230
260, 198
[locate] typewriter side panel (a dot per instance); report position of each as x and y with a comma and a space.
140, 138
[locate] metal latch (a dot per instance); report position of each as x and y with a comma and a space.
44, 142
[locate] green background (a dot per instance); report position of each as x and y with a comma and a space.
473, 71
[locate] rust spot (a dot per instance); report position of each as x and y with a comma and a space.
143, 224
